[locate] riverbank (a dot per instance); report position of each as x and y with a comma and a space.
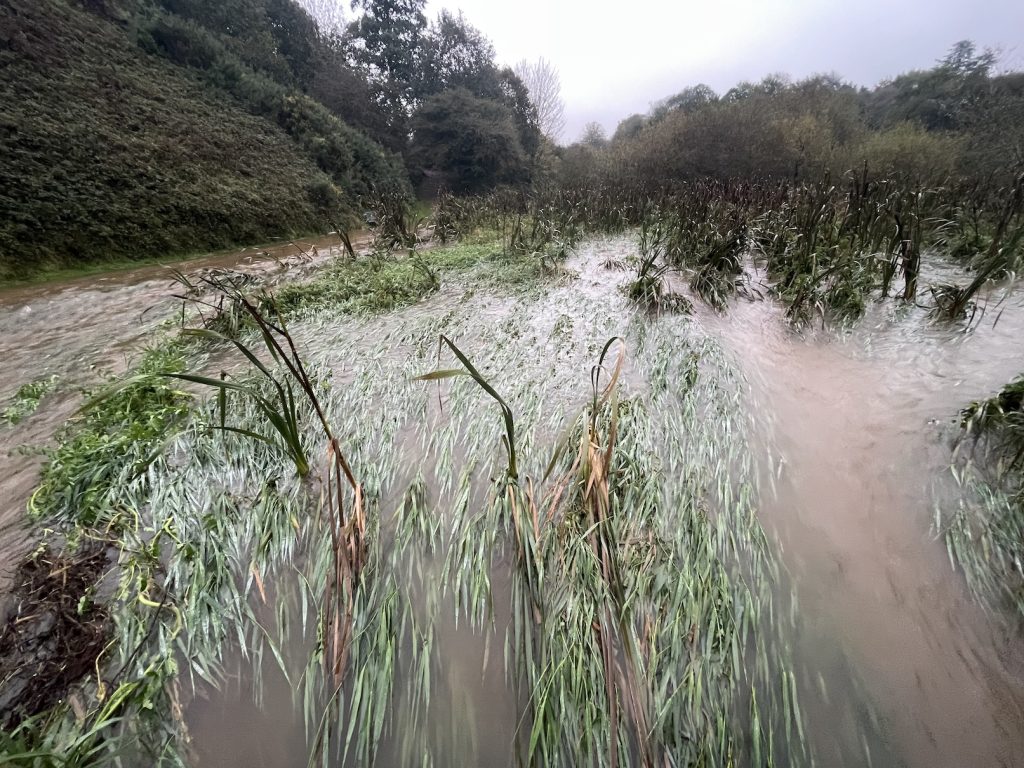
71, 275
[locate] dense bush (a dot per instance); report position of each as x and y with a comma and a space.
357, 164
910, 150
474, 141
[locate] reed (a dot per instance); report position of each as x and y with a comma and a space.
984, 533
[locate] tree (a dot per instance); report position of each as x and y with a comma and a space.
276, 37
295, 38
473, 141
345, 91
387, 43
940, 98
995, 130
457, 55
593, 135
629, 128
909, 149
516, 97
964, 60
328, 14
687, 100
545, 87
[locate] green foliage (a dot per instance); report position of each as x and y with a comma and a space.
940, 98
388, 37
993, 131
954, 119
345, 91
986, 534
457, 55
1000, 420
362, 287
629, 128
111, 443
516, 96
378, 284
356, 164
473, 141
908, 149
275, 37
110, 153
26, 400
648, 288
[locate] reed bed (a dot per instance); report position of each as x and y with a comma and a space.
614, 575
984, 534
327, 515
822, 249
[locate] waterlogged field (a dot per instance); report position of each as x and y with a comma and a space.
596, 478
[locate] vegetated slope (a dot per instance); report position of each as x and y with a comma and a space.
110, 152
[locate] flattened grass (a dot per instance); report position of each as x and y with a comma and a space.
653, 536
383, 283
111, 443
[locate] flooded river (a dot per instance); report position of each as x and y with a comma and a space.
897, 664
860, 428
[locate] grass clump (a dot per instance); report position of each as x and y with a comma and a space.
986, 534
649, 287
112, 442
366, 286
1000, 421
26, 400
385, 282
631, 615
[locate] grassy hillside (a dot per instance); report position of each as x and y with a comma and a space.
109, 151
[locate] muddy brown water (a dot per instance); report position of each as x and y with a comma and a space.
860, 430
857, 430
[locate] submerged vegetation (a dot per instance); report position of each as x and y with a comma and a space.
26, 400
620, 567
643, 623
987, 533
291, 481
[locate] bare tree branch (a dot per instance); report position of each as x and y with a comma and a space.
542, 81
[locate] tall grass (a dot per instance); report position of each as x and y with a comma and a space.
828, 248
985, 535
606, 604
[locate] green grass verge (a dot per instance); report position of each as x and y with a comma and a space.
111, 443
377, 284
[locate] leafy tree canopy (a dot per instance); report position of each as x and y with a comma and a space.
473, 141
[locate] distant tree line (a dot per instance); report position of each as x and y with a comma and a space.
958, 118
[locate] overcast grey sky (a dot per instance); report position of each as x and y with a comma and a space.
615, 58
